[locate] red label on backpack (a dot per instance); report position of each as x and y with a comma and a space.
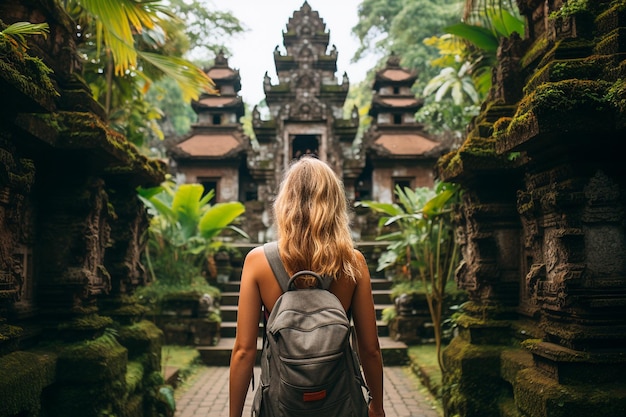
314, 396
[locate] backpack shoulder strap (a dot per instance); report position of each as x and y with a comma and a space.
271, 253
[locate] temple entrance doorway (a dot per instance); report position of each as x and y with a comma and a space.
304, 144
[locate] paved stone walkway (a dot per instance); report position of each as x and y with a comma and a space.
207, 395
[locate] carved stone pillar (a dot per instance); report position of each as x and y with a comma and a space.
75, 232
489, 236
123, 258
568, 126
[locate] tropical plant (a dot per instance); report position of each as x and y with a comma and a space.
400, 26
467, 56
390, 26
454, 80
184, 230
423, 242
127, 46
482, 32
17, 31
118, 27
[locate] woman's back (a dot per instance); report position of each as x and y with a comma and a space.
312, 226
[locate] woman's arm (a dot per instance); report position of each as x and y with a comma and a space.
244, 350
367, 338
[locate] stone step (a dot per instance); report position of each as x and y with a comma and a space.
378, 284
228, 308
229, 312
394, 353
231, 298
229, 329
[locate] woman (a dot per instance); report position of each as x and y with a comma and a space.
311, 220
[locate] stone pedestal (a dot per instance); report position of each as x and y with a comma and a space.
185, 322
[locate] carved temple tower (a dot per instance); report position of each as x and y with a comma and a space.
214, 152
305, 108
399, 150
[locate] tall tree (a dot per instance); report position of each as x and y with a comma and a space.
206, 32
401, 26
128, 44
207, 28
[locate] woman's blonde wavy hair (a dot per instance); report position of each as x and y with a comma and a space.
311, 220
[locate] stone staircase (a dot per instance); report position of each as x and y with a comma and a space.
394, 353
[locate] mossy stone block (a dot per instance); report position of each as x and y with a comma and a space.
92, 361
24, 377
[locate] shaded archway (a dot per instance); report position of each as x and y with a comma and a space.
304, 144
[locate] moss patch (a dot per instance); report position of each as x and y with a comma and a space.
538, 395
142, 338
93, 360
24, 376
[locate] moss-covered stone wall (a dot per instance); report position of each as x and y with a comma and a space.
73, 341
542, 225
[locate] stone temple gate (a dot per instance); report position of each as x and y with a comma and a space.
305, 114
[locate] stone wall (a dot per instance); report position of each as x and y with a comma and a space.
542, 224
72, 338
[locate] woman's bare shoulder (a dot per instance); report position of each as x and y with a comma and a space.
359, 255
255, 259
255, 253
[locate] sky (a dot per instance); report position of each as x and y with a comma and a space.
252, 51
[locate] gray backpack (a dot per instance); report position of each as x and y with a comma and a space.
308, 365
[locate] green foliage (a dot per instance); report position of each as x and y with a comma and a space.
419, 219
402, 286
166, 396
17, 31
128, 45
444, 116
184, 229
572, 7
423, 241
401, 26
386, 26
482, 32
455, 83
207, 29
154, 295
25, 375
184, 358
453, 96
388, 314
161, 396
360, 97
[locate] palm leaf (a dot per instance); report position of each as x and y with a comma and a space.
117, 21
218, 217
186, 207
479, 36
207, 198
240, 231
443, 89
406, 198
26, 28
17, 30
159, 208
437, 203
385, 208
504, 23
189, 77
